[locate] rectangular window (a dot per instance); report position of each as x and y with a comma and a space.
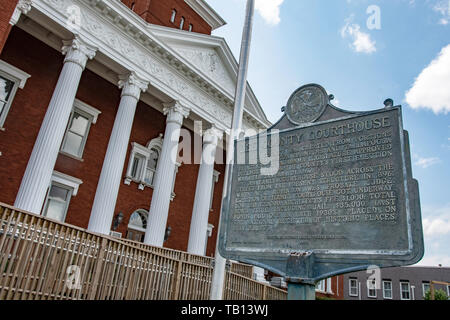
425, 288
405, 291
61, 190
448, 291
11, 79
353, 285
371, 289
77, 131
387, 289
136, 169
57, 202
191, 27
320, 286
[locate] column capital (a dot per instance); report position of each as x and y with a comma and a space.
212, 135
132, 85
175, 112
23, 7
78, 51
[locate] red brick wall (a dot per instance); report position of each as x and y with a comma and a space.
159, 12
6, 10
26, 115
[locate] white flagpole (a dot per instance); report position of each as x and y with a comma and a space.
241, 88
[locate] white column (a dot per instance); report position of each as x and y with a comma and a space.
200, 212
102, 212
159, 208
40, 166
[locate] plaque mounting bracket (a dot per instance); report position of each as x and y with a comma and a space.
301, 264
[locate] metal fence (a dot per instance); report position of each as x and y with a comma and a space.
45, 259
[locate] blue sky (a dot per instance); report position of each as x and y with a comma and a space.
363, 51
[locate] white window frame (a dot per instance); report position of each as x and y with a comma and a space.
369, 295
173, 16
448, 290
19, 78
384, 290
191, 27
401, 290
320, 286
424, 291
350, 288
328, 288
144, 152
91, 114
64, 181
182, 21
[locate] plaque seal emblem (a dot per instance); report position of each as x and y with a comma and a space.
306, 104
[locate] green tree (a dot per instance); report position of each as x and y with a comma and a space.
438, 295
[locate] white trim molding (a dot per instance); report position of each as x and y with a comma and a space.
18, 74
67, 180
88, 109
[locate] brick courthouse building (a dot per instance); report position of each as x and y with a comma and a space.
90, 89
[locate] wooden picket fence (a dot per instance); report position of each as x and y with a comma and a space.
44, 259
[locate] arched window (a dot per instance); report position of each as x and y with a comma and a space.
182, 23
137, 225
143, 164
173, 16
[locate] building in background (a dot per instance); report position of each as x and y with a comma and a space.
89, 91
400, 283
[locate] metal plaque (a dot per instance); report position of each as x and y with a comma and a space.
343, 193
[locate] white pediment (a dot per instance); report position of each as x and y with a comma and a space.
208, 61
212, 58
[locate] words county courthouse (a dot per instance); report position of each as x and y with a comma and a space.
89, 91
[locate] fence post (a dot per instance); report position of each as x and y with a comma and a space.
176, 290
98, 269
264, 297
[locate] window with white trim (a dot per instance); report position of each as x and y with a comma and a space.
448, 291
59, 194
173, 16
191, 27
143, 164
329, 286
182, 23
77, 131
353, 288
371, 289
405, 290
11, 79
425, 287
387, 289
320, 286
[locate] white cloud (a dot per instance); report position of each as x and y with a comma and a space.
426, 162
433, 227
437, 221
361, 41
269, 10
435, 260
431, 87
443, 7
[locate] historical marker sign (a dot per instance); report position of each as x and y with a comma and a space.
343, 191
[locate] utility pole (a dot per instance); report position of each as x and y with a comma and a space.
236, 127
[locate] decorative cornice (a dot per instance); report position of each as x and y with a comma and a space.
23, 7
78, 51
175, 112
125, 37
132, 85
